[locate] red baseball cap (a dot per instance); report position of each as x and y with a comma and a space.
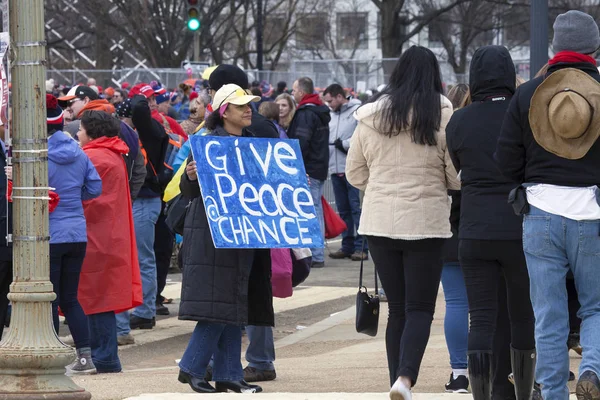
143, 89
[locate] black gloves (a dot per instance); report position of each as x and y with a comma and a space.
340, 146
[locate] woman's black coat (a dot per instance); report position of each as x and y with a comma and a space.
228, 286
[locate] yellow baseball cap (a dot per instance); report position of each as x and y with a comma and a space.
232, 94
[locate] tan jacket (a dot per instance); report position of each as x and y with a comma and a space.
405, 183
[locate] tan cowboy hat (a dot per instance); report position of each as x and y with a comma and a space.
565, 113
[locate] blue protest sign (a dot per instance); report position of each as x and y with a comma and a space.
256, 193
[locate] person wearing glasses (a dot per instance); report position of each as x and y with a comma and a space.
76, 99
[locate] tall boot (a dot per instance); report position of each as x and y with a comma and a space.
480, 374
523, 367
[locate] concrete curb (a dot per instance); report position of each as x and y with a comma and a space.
309, 396
314, 329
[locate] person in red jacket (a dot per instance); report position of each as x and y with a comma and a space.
110, 279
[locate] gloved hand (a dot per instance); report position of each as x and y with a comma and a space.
340, 146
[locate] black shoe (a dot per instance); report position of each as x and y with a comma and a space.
588, 387
141, 323
237, 387
571, 376
458, 385
161, 309
318, 264
208, 374
523, 367
259, 375
480, 375
197, 384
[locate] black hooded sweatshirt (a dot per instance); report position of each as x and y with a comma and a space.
472, 135
310, 126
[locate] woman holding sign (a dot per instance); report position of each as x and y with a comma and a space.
398, 156
223, 289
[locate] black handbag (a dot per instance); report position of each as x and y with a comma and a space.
175, 212
367, 307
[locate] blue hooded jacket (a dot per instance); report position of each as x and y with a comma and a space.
75, 179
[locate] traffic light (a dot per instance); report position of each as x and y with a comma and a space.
193, 14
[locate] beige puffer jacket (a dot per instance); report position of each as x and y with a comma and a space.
405, 184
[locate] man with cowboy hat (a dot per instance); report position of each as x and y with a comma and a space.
549, 142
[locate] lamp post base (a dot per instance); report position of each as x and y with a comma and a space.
32, 358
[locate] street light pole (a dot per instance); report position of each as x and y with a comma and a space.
259, 35
32, 359
539, 36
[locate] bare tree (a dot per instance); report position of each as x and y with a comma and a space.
401, 20
468, 26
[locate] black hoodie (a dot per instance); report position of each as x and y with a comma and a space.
472, 134
310, 126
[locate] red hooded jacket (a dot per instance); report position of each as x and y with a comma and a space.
110, 276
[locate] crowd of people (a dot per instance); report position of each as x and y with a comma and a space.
490, 189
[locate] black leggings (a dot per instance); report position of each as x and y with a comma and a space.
410, 273
481, 261
163, 250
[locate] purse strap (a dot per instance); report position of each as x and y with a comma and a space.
362, 264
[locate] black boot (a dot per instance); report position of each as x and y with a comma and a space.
523, 366
480, 374
198, 385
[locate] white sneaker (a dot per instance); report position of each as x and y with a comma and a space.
400, 391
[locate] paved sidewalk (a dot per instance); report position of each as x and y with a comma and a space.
328, 356
326, 360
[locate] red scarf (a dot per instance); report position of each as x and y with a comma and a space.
311, 99
571, 57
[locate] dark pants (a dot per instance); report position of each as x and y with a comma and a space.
163, 250
574, 320
502, 389
347, 201
6, 274
66, 260
103, 340
481, 261
410, 272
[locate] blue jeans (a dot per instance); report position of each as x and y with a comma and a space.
261, 349
103, 341
66, 260
553, 245
456, 321
145, 215
316, 190
224, 341
347, 200
123, 327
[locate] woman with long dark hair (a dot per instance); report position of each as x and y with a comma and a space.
398, 156
490, 234
238, 292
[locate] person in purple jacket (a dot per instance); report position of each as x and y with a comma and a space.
72, 175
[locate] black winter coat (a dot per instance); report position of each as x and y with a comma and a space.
522, 159
472, 135
227, 286
155, 140
310, 126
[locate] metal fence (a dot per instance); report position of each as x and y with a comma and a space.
356, 74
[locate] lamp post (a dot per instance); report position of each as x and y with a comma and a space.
32, 358
539, 36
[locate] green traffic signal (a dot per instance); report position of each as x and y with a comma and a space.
193, 24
